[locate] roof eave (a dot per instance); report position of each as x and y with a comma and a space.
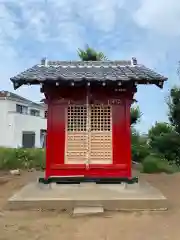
18, 83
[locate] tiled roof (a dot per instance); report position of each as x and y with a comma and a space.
14, 97
59, 71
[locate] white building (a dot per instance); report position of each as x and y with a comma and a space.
22, 122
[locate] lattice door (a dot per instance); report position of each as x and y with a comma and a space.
76, 135
100, 136
89, 134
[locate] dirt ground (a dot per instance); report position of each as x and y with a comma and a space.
25, 225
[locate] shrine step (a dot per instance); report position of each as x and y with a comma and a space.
88, 197
84, 211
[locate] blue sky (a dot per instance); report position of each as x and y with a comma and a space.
145, 29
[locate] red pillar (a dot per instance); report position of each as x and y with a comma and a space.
55, 148
121, 133
128, 137
48, 141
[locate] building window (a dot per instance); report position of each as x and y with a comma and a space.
28, 139
43, 138
34, 112
45, 114
21, 109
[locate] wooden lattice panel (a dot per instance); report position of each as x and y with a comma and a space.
89, 134
100, 136
76, 135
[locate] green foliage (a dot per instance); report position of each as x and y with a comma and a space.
135, 115
164, 138
139, 146
174, 108
22, 158
160, 129
89, 54
155, 164
165, 141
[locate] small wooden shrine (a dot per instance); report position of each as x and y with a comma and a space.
88, 122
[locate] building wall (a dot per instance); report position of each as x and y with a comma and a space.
27, 123
12, 124
6, 130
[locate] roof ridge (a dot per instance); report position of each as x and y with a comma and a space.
108, 62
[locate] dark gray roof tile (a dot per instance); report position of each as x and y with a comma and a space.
93, 71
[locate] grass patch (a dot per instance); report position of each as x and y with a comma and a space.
13, 158
155, 164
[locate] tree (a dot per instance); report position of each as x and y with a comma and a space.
139, 146
89, 54
159, 129
174, 108
135, 115
164, 140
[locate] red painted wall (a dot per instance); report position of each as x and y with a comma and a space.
57, 100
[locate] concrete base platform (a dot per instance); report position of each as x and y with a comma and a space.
138, 196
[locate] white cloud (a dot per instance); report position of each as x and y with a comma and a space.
162, 16
102, 13
67, 23
64, 22
48, 21
68, 19
8, 28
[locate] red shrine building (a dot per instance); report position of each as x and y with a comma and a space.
88, 122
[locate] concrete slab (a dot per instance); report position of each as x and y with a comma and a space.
84, 211
141, 196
